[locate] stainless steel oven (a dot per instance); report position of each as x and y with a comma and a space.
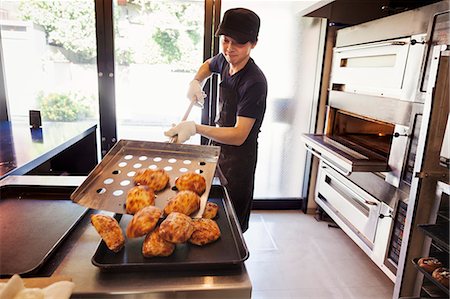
373, 103
373, 119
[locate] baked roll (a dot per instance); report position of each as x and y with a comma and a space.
191, 181
210, 211
154, 245
205, 231
139, 197
186, 202
108, 228
143, 222
154, 179
429, 264
176, 228
441, 275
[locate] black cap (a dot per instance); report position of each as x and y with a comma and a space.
240, 24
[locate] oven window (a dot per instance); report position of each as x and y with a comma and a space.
367, 133
369, 61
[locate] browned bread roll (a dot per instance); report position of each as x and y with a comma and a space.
205, 231
210, 211
429, 264
139, 197
191, 181
143, 222
441, 275
154, 179
186, 202
176, 228
108, 228
154, 245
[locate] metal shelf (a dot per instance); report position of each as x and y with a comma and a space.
437, 232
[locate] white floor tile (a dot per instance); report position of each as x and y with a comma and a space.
294, 256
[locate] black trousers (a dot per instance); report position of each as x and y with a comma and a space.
238, 167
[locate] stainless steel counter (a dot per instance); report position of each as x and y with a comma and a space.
73, 259
91, 282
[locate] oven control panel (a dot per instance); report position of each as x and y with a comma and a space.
397, 233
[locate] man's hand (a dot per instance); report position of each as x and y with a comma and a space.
184, 130
196, 93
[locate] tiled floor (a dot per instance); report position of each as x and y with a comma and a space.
294, 256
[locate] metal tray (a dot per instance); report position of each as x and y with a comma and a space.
107, 185
228, 252
429, 276
34, 221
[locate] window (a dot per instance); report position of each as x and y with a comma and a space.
49, 57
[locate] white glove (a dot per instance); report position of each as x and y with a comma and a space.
196, 93
184, 130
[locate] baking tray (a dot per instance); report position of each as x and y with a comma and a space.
34, 221
430, 277
107, 185
228, 252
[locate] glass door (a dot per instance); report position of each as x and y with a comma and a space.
158, 48
49, 53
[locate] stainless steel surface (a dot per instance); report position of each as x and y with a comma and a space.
376, 185
420, 206
387, 69
326, 160
43, 180
107, 185
408, 23
91, 282
397, 155
375, 77
384, 109
73, 259
445, 148
355, 207
346, 204
344, 159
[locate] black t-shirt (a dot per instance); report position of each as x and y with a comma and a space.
250, 87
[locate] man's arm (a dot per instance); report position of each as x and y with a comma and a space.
203, 72
228, 135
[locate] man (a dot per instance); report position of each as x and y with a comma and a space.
242, 104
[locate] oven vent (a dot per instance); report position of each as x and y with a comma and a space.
338, 87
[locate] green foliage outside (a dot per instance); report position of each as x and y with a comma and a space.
71, 26
64, 106
167, 40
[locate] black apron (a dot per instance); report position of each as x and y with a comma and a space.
237, 163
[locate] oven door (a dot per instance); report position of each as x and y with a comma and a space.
347, 203
343, 158
388, 68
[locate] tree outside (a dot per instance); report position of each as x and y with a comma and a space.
149, 35
68, 27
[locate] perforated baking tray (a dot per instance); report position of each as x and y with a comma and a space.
106, 187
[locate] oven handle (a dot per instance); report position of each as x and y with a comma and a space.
378, 45
329, 162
